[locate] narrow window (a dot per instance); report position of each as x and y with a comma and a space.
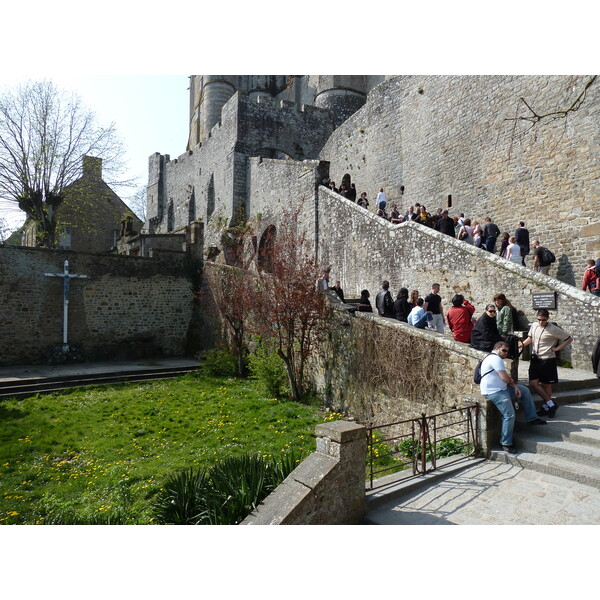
449, 201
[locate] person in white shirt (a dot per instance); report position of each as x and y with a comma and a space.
381, 199
417, 317
500, 389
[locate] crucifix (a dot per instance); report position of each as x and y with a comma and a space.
66, 286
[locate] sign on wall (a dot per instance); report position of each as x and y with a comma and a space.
544, 300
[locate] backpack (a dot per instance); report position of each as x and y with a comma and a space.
597, 267
547, 257
477, 376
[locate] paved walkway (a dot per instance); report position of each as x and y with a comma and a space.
494, 493
19, 372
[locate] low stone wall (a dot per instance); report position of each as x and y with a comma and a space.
328, 488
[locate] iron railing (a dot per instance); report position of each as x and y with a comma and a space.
419, 443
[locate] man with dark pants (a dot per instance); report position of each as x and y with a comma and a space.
522, 236
384, 302
433, 305
490, 234
500, 389
547, 339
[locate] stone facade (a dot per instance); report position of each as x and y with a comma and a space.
89, 218
127, 307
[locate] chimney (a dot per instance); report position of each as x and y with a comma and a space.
92, 167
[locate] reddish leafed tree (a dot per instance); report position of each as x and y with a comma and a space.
232, 292
287, 306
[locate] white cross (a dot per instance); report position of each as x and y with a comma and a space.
67, 286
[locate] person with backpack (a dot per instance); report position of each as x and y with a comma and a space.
591, 277
501, 389
542, 258
384, 303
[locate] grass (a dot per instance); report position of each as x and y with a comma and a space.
101, 454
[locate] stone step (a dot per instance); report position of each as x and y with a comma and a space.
577, 423
551, 465
571, 396
584, 454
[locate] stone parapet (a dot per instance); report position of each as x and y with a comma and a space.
328, 488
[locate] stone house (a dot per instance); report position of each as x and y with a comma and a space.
91, 215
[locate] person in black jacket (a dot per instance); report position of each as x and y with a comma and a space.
445, 224
402, 306
485, 331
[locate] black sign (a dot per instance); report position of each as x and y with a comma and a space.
544, 300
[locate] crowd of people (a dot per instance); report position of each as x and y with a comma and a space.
494, 332
483, 234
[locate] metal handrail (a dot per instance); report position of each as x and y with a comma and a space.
423, 435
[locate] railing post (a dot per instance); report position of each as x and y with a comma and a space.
423, 442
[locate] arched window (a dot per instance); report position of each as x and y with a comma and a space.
266, 248
210, 200
170, 216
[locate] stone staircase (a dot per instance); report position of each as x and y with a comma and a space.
569, 445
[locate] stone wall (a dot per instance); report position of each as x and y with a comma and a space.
328, 488
448, 141
212, 181
380, 371
364, 249
127, 307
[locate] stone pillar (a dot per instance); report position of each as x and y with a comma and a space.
346, 442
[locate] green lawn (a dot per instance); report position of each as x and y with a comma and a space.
107, 450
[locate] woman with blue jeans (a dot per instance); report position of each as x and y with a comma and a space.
500, 389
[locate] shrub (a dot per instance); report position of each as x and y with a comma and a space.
223, 495
268, 367
220, 363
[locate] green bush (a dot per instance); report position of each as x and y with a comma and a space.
219, 363
223, 495
268, 367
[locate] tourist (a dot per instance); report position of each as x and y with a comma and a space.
424, 217
433, 305
501, 389
323, 281
445, 224
417, 316
364, 304
410, 215
362, 201
485, 331
459, 318
504, 244
395, 215
384, 302
591, 281
414, 296
504, 315
465, 232
541, 260
352, 193
339, 291
402, 306
490, 235
381, 201
546, 341
522, 236
332, 186
513, 251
